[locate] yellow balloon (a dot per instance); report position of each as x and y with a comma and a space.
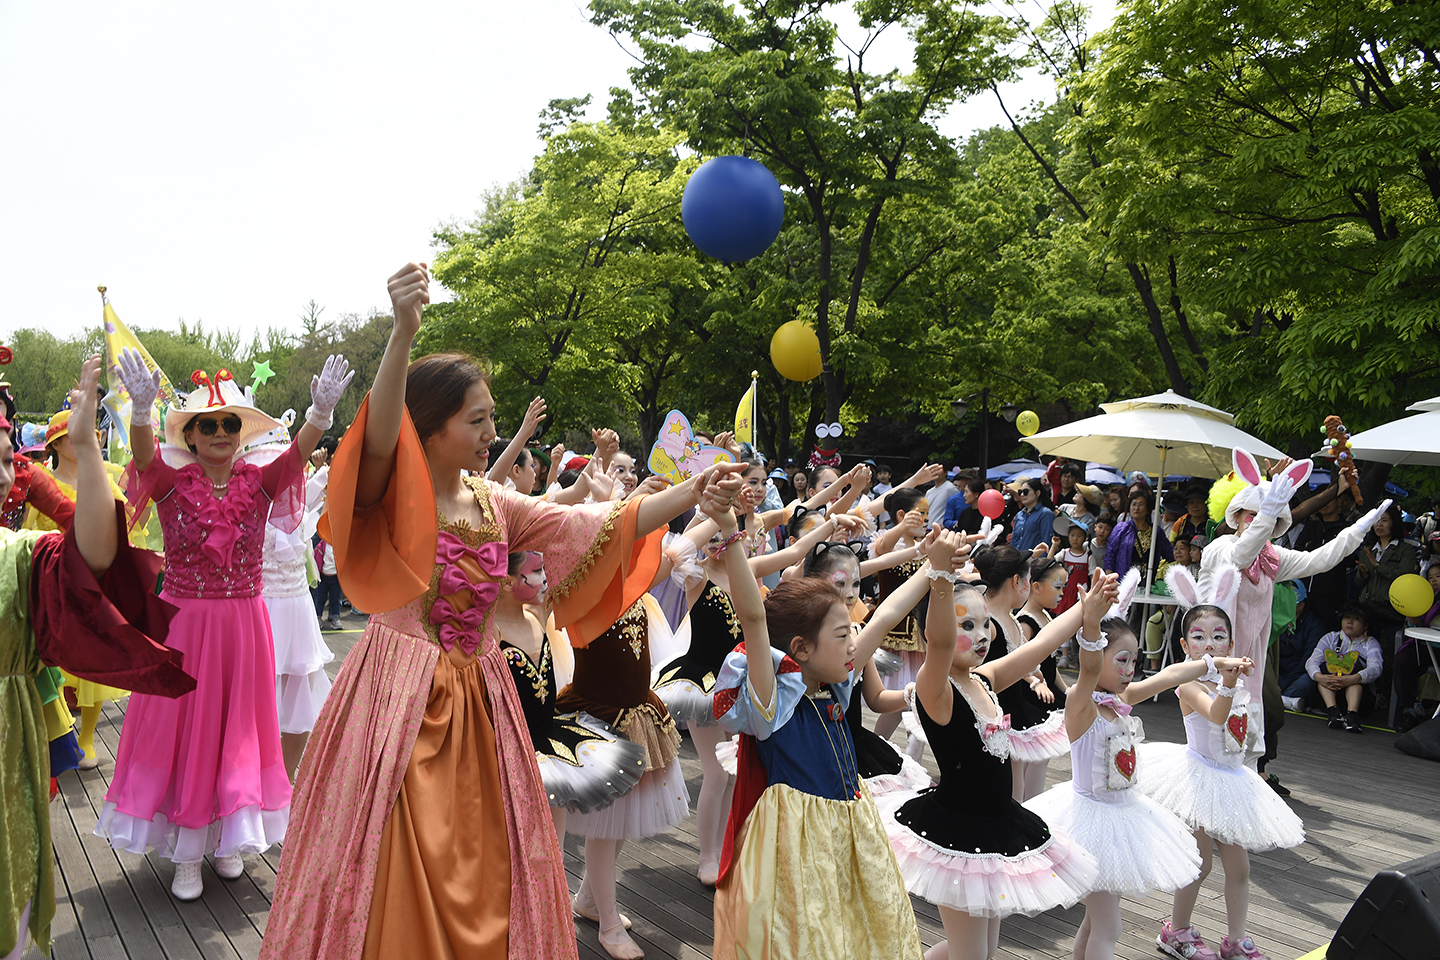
1411, 594
1027, 423
795, 351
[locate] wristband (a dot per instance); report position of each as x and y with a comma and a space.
945, 575
728, 541
312, 417
1225, 691
1092, 645
1211, 674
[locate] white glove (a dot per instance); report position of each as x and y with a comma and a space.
1370, 519
325, 391
1277, 498
142, 384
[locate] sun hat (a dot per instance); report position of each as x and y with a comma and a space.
58, 427
1091, 493
217, 395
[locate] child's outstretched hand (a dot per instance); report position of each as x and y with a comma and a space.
943, 548
1232, 668
1101, 595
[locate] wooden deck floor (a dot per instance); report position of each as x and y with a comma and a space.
1366, 807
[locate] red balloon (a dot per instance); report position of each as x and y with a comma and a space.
991, 504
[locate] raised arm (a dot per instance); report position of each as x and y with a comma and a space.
409, 292
94, 527
892, 559
1197, 699
658, 509
768, 563
1172, 676
143, 385
854, 480
534, 416
745, 598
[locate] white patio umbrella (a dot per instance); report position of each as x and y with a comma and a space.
1159, 434
1408, 440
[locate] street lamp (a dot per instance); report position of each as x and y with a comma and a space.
959, 407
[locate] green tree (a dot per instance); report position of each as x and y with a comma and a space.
850, 144
570, 281
1282, 157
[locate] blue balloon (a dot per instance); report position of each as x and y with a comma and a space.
732, 208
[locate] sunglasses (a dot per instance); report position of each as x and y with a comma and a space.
208, 428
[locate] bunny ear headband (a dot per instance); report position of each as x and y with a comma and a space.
1223, 587
989, 532
1128, 584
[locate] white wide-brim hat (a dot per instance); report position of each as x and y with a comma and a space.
219, 397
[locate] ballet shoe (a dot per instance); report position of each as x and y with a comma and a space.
592, 913
88, 762
709, 873
618, 944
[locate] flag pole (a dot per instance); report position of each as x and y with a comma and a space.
754, 407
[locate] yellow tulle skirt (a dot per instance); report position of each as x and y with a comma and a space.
88, 693
814, 878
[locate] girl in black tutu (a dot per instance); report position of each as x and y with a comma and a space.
967, 845
1037, 731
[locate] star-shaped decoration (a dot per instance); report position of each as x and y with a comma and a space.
261, 373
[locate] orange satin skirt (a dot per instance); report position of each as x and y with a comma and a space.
442, 886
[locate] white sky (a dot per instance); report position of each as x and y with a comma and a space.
230, 162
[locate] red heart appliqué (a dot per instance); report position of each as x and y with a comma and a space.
1125, 763
1239, 726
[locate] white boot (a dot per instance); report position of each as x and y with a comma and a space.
187, 884
230, 867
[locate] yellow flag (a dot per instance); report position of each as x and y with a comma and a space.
745, 417
117, 401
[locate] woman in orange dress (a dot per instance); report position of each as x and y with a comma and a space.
419, 827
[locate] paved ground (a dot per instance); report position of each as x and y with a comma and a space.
1366, 807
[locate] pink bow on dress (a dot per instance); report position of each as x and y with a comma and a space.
1266, 565
1104, 699
993, 727
469, 586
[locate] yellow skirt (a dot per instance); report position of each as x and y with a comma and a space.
814, 878
88, 693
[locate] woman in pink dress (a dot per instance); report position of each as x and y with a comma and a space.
420, 826
204, 773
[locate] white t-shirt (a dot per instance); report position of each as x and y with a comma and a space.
937, 496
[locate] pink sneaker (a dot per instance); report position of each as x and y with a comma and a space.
1243, 950
1183, 944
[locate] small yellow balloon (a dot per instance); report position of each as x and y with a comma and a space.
1027, 423
1411, 594
795, 351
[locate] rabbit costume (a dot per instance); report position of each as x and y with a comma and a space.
1262, 563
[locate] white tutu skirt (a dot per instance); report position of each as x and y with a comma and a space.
906, 671
247, 830
1139, 845
589, 764
687, 702
911, 779
658, 802
1044, 741
301, 683
1231, 804
1059, 873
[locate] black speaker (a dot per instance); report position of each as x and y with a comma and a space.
1396, 918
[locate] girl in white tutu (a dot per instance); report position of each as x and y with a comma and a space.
967, 845
1206, 783
1139, 844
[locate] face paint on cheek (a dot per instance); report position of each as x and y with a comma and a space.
964, 644
531, 584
